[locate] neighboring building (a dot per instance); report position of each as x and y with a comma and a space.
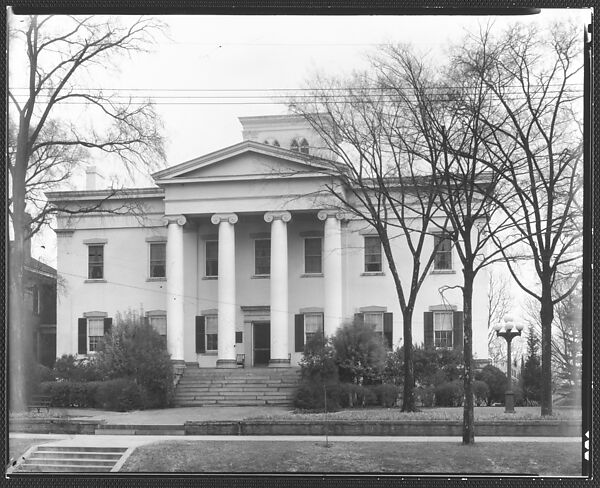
241, 251
39, 285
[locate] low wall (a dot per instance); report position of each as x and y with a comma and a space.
533, 428
54, 426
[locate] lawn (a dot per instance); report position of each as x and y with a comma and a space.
438, 413
547, 459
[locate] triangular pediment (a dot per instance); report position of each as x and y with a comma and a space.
246, 159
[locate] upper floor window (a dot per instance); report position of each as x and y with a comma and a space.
313, 255
262, 256
313, 324
158, 260
96, 262
304, 146
212, 258
443, 252
442, 329
95, 333
212, 337
372, 254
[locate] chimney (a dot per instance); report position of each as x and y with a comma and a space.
90, 178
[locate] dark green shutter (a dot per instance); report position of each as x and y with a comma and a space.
428, 329
299, 332
388, 327
238, 338
458, 322
200, 337
82, 336
107, 325
359, 318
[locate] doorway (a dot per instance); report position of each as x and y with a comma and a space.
262, 343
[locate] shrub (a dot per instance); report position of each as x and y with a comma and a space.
393, 371
496, 381
70, 368
387, 394
449, 394
481, 392
311, 396
70, 393
436, 366
425, 395
43, 374
120, 394
134, 350
352, 395
360, 353
318, 362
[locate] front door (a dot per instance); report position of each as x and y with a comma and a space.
262, 343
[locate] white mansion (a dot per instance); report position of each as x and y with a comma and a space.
240, 252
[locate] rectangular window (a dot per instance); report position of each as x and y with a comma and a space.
262, 256
211, 332
158, 260
312, 255
442, 329
212, 258
95, 333
443, 252
95, 262
313, 324
374, 319
159, 324
372, 254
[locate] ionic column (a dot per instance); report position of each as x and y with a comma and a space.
279, 288
226, 290
332, 270
175, 291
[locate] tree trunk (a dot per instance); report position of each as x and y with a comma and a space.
546, 316
408, 397
468, 416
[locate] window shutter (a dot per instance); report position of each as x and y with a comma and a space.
82, 336
359, 318
238, 338
323, 325
388, 327
428, 329
299, 332
200, 337
107, 325
458, 322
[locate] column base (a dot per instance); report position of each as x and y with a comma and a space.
226, 363
279, 363
178, 369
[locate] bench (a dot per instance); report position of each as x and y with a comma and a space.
240, 360
39, 402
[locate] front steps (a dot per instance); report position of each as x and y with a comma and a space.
69, 459
236, 387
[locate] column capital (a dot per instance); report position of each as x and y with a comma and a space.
224, 217
333, 213
174, 219
284, 216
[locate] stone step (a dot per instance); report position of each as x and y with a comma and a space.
62, 468
82, 449
76, 455
74, 461
63, 459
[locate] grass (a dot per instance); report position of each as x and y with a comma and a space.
455, 413
545, 459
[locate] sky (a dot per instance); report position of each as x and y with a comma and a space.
206, 71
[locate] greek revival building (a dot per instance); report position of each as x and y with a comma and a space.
239, 255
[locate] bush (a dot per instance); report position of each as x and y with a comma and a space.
70, 368
311, 396
449, 394
496, 381
360, 353
481, 392
70, 393
425, 395
436, 366
134, 350
121, 395
352, 395
387, 394
318, 362
394, 367
43, 374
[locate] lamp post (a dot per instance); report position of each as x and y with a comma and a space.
509, 331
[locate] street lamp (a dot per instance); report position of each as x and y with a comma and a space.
509, 331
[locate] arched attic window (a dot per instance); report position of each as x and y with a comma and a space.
294, 146
266, 142
275, 142
304, 146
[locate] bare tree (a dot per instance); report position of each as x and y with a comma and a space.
535, 81
377, 179
58, 54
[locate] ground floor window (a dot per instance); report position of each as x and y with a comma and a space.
313, 324
211, 332
159, 324
442, 329
95, 328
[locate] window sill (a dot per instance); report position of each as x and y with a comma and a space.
260, 277
157, 279
443, 271
210, 277
373, 273
95, 281
208, 353
311, 275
